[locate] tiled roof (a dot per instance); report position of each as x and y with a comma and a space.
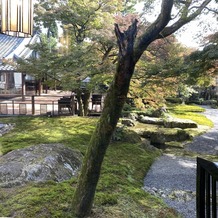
6, 67
26, 52
8, 44
14, 48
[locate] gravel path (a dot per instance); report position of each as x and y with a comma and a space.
210, 139
173, 178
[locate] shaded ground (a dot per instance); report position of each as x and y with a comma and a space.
173, 178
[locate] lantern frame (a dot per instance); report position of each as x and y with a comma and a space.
17, 18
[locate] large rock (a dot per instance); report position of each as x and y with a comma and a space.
163, 135
160, 138
169, 122
125, 135
146, 145
180, 123
39, 163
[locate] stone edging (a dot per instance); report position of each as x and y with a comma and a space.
176, 195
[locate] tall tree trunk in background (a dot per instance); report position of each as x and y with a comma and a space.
100, 140
80, 102
85, 101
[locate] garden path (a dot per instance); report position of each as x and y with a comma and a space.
173, 178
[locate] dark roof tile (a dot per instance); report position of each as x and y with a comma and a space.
8, 44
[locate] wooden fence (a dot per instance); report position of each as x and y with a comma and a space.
45, 105
34, 105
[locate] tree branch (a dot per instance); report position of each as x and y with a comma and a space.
154, 29
126, 39
183, 20
212, 10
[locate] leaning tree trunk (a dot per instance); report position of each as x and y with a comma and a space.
116, 96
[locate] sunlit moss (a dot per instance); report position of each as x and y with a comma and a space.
184, 108
191, 112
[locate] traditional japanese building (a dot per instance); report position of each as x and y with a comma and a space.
11, 49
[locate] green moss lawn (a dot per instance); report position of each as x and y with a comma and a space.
192, 112
119, 192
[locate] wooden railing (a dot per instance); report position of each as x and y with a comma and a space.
206, 190
46, 105
32, 105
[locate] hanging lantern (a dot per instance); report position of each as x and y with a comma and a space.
17, 17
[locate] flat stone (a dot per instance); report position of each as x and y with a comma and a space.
150, 120
180, 123
170, 122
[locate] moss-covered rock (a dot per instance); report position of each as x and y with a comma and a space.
150, 120
146, 144
128, 122
39, 163
168, 122
126, 135
180, 123
162, 137
159, 136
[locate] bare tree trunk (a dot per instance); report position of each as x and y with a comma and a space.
116, 96
40, 87
80, 102
85, 100
23, 90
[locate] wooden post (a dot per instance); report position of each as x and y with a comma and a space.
33, 105
53, 113
6, 82
23, 86
13, 107
39, 88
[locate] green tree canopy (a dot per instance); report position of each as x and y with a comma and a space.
202, 65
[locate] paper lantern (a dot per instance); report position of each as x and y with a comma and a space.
17, 17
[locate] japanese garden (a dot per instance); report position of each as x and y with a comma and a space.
104, 112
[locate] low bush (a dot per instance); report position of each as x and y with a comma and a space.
174, 100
